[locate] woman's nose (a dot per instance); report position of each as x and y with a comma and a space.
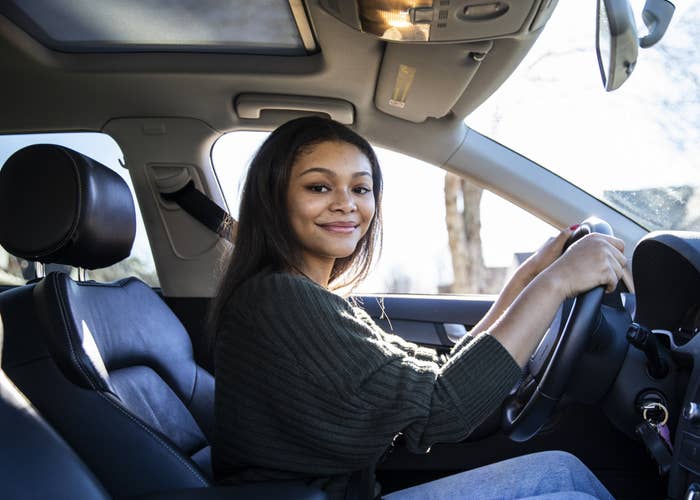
343, 201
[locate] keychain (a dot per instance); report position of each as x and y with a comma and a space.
657, 415
654, 432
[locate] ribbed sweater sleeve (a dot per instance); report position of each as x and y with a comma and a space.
305, 385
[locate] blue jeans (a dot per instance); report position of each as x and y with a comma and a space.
544, 476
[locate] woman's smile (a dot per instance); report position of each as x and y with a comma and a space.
339, 227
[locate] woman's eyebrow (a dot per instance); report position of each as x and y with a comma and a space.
363, 172
321, 170
331, 173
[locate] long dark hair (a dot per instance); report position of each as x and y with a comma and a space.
265, 239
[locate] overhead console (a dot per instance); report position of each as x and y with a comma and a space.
442, 20
436, 47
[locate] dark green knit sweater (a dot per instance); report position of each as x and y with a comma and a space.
308, 387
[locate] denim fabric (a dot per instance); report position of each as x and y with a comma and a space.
543, 476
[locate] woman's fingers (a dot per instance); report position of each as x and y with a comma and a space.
615, 273
613, 261
616, 242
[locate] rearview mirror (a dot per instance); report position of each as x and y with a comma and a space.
616, 42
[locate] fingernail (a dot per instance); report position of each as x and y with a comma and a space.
574, 227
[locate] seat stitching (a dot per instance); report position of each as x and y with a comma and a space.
156, 437
66, 329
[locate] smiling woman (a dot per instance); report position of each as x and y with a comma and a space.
296, 159
331, 204
329, 390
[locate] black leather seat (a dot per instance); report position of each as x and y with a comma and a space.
34, 461
107, 364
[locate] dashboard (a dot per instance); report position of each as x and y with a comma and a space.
666, 271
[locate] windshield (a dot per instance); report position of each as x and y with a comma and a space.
636, 148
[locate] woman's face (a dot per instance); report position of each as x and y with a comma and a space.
330, 202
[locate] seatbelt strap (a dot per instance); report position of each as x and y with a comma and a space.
204, 210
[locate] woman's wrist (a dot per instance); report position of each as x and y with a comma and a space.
553, 282
525, 274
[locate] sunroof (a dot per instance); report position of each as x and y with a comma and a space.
278, 27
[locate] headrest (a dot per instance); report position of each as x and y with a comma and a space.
59, 206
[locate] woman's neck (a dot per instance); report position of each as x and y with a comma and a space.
317, 270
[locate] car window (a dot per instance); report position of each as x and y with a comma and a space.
636, 148
482, 247
102, 148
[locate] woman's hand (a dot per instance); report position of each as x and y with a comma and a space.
594, 260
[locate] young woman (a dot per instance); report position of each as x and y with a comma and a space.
309, 388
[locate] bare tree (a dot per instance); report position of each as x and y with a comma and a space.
463, 219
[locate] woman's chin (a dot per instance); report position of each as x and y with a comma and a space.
341, 252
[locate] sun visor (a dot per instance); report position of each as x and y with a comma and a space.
417, 82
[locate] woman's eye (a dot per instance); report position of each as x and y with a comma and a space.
362, 190
319, 188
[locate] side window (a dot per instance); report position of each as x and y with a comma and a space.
442, 234
445, 235
102, 148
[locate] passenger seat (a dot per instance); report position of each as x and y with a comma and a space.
109, 365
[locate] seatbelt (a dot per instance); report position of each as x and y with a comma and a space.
204, 210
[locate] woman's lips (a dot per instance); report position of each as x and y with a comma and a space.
339, 227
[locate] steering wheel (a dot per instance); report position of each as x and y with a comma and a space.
527, 409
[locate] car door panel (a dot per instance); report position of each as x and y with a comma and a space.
437, 321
